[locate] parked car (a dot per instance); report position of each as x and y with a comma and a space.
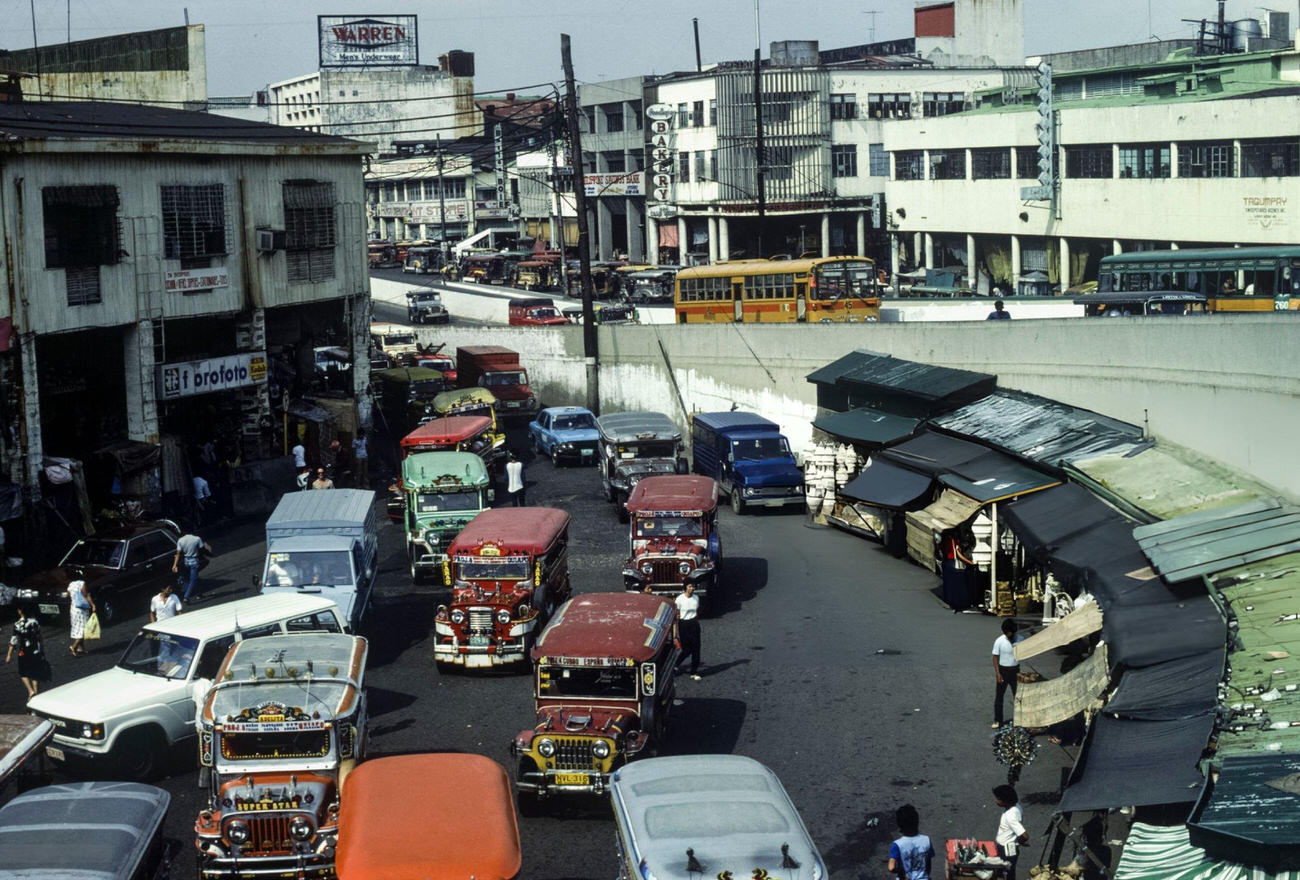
115, 564
565, 433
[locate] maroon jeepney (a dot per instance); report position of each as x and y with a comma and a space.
674, 539
603, 682
508, 569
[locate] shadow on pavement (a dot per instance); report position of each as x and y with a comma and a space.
704, 725
742, 578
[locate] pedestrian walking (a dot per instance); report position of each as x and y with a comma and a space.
1007, 670
361, 460
80, 607
165, 605
299, 456
1011, 827
322, 481
910, 855
515, 481
188, 548
688, 627
202, 495
27, 641
330, 458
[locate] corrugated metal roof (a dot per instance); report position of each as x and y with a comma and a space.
828, 374
1168, 480
1202, 543
1041, 429
1251, 814
867, 425
919, 380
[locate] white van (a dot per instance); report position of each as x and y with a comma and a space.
131, 715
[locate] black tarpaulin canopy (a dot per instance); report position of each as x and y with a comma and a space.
994, 476
934, 453
1128, 763
1143, 635
1181, 688
1044, 520
1106, 560
866, 425
884, 484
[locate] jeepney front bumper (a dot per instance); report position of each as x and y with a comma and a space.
314, 858
572, 769
481, 652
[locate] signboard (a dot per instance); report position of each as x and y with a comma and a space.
196, 280
430, 212
657, 112
490, 209
1266, 212
192, 378
661, 212
624, 183
367, 41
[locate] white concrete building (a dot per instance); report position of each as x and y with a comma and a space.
405, 198
170, 273
1185, 151
613, 148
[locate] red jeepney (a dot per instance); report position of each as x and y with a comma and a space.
508, 569
457, 434
674, 539
603, 679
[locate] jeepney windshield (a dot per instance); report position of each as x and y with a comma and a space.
760, 449
669, 527
160, 654
473, 568
594, 682
426, 299
575, 422
399, 339
510, 377
848, 278
303, 568
544, 312
425, 389
269, 746
445, 502
653, 449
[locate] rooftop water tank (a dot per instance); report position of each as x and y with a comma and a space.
1243, 31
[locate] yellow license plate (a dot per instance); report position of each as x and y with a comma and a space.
572, 779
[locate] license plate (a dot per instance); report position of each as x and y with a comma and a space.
46, 608
572, 779
586, 452
775, 503
56, 753
478, 641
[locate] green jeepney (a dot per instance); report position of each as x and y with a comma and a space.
442, 491
407, 392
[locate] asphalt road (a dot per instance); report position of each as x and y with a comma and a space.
832, 662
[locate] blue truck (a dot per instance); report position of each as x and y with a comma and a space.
749, 457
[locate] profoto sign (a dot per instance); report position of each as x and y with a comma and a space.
369, 41
215, 374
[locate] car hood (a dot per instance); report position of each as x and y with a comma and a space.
772, 472
589, 720
577, 435
106, 694
53, 582
669, 547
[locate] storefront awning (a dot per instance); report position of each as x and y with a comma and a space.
1082, 621
1137, 763
1106, 561
1181, 688
867, 426
1143, 635
1164, 852
1043, 703
884, 484
1045, 520
934, 453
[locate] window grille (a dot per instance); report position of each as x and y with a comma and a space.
1205, 159
1089, 162
83, 286
844, 160
310, 230
844, 106
877, 160
194, 221
909, 165
684, 166
614, 118
942, 103
1027, 163
1270, 158
1143, 160
81, 226
889, 105
991, 164
947, 164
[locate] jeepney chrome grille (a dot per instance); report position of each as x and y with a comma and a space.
268, 834
573, 753
480, 621
664, 571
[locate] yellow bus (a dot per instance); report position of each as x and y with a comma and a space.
819, 290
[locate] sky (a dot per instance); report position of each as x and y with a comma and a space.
517, 44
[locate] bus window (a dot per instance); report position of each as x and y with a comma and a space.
1106, 283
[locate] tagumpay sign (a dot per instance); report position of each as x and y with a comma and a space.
367, 41
214, 374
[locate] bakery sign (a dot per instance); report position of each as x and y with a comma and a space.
192, 378
367, 40
196, 280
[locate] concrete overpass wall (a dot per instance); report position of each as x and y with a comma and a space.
1225, 386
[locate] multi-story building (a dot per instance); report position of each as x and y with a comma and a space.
169, 275
613, 147
1189, 149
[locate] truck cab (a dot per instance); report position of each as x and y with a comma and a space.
635, 445
499, 370
749, 457
534, 311
442, 492
325, 543
394, 340
283, 724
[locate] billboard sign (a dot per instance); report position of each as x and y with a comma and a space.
214, 374
367, 40
628, 183
659, 112
196, 280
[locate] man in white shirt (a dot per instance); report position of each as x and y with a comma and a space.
688, 627
1006, 668
299, 456
515, 481
1011, 827
165, 605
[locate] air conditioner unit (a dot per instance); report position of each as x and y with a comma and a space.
269, 240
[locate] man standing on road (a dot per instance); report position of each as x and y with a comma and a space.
361, 460
1011, 827
165, 605
1007, 670
688, 627
910, 855
515, 481
188, 548
299, 455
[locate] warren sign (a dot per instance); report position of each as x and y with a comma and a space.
367, 41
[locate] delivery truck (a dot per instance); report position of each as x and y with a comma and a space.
749, 457
499, 370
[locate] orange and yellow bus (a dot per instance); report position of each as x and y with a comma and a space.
820, 290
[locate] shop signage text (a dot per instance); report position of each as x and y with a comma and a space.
373, 40
1266, 212
659, 111
188, 379
630, 183
194, 280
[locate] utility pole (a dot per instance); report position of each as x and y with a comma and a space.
557, 215
760, 157
442, 203
580, 205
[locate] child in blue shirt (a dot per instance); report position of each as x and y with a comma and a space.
910, 855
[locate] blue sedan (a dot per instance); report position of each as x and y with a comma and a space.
566, 434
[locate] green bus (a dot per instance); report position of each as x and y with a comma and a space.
1248, 279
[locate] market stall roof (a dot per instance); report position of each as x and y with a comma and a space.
1044, 520
829, 374
1180, 688
884, 484
1137, 763
1202, 543
867, 426
1043, 703
1142, 635
1251, 812
1042, 429
1163, 852
994, 476
933, 453
1167, 480
1107, 562
900, 386
948, 511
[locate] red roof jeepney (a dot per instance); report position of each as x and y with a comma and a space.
455, 820
457, 434
603, 678
509, 569
674, 537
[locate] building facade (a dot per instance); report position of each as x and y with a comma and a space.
169, 275
613, 154
1189, 150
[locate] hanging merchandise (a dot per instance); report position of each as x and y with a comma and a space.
982, 529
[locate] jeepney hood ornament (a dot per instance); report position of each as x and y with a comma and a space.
672, 546
474, 594
644, 467
588, 719
277, 791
